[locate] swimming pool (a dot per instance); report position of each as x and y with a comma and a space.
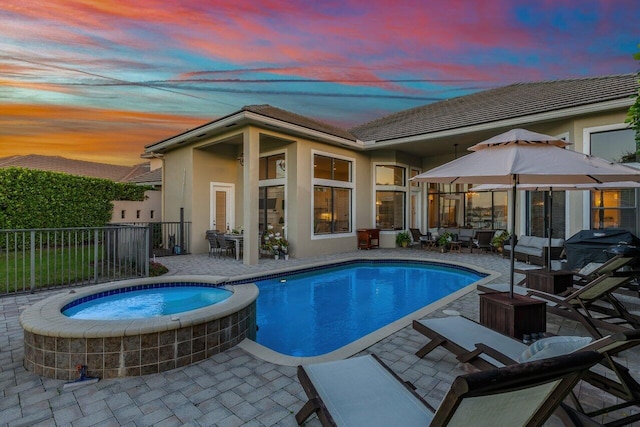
317, 312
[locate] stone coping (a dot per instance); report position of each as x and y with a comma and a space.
45, 317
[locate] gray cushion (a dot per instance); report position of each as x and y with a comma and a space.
360, 391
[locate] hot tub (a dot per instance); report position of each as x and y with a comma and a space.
54, 345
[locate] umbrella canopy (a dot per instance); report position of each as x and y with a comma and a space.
523, 157
558, 187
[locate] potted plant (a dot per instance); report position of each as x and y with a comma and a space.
444, 239
498, 241
403, 239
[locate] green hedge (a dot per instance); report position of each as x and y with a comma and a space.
40, 199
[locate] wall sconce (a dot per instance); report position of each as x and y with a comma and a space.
240, 158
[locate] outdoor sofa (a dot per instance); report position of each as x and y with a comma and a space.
533, 250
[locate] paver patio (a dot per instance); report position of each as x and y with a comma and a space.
235, 388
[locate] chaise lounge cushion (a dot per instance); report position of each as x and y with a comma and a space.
553, 346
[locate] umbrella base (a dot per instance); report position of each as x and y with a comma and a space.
515, 316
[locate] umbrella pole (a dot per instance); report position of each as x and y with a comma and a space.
549, 229
512, 257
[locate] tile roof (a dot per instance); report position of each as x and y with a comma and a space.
75, 167
151, 177
297, 119
516, 100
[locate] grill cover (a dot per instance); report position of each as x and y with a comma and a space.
598, 246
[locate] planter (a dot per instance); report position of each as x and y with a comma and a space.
276, 256
286, 257
405, 244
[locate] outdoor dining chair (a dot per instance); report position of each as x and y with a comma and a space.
226, 246
363, 391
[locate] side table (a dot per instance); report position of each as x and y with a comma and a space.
552, 282
513, 316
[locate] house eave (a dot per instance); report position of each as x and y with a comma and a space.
246, 118
511, 122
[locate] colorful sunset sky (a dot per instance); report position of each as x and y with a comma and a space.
98, 80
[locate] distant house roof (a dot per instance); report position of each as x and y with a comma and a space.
516, 100
153, 177
76, 167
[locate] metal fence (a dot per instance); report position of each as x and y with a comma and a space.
44, 258
166, 238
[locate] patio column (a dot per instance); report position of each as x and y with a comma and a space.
250, 207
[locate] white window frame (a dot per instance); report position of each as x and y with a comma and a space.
586, 149
406, 189
335, 184
276, 182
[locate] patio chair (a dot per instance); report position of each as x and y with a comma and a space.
593, 305
423, 239
363, 391
226, 246
214, 248
482, 240
485, 349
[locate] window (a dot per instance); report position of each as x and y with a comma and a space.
613, 208
123, 214
616, 145
151, 214
391, 197
271, 208
271, 193
138, 214
332, 195
486, 209
538, 212
455, 206
390, 210
272, 167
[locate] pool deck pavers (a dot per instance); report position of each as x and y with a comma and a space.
235, 388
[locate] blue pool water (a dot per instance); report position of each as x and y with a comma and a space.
144, 303
314, 313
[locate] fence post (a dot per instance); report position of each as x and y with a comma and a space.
96, 254
148, 237
33, 261
182, 230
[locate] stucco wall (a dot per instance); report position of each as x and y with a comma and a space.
152, 202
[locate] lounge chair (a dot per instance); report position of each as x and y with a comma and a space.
609, 267
485, 348
584, 304
363, 391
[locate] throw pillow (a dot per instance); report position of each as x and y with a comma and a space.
553, 346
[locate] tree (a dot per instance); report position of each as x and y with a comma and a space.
633, 115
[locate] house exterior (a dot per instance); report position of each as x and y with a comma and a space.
148, 210
264, 167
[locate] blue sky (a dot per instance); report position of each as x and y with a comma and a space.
97, 80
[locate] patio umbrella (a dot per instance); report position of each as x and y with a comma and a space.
520, 156
550, 188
